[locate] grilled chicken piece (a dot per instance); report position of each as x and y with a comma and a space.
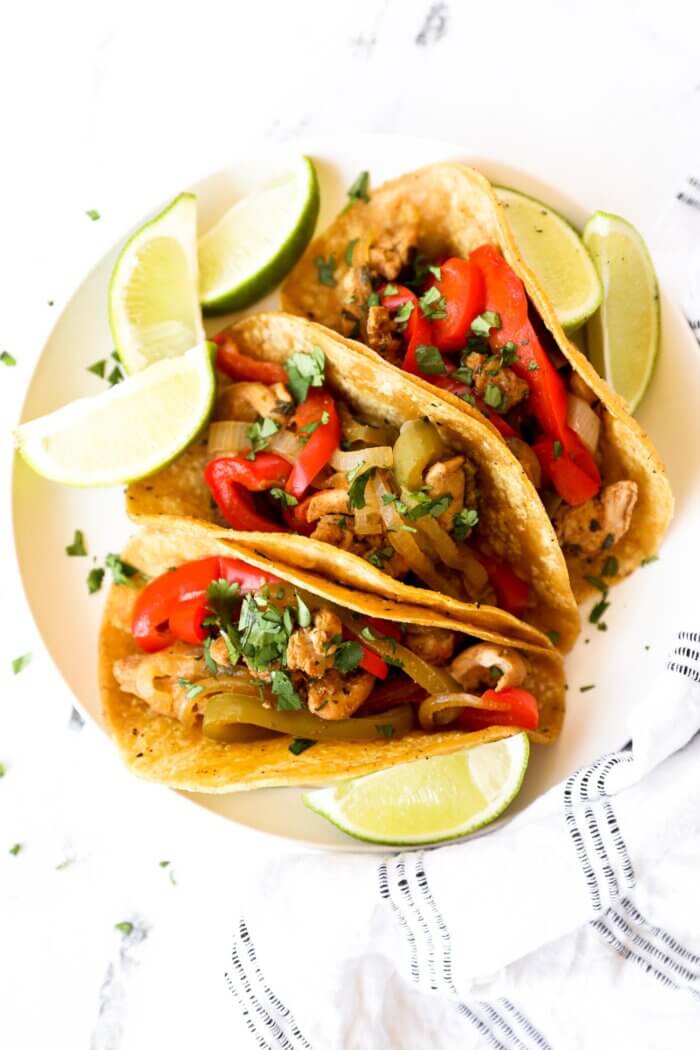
312, 649
435, 645
588, 529
446, 478
339, 696
513, 389
473, 667
250, 401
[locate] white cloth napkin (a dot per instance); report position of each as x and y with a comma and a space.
575, 925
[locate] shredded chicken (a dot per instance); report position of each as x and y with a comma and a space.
474, 667
513, 389
337, 530
381, 332
435, 645
249, 401
355, 288
339, 696
327, 501
527, 459
598, 523
446, 478
334, 530
312, 649
393, 249
153, 677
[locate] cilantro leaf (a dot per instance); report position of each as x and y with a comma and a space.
610, 566
77, 548
348, 657
493, 395
94, 579
386, 730
297, 746
356, 492
349, 249
305, 370
124, 927
259, 434
464, 521
8, 359
424, 505
98, 369
599, 611
554, 637
326, 270
303, 612
209, 661
92, 213
359, 191
122, 571
222, 597
436, 272
429, 360
595, 581
192, 690
285, 498
115, 376
287, 697
533, 367
464, 374
404, 312
14, 850
650, 559
433, 304
483, 324
380, 556
373, 299
20, 662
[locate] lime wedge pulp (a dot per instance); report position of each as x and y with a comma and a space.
428, 800
623, 338
153, 305
257, 242
554, 252
128, 431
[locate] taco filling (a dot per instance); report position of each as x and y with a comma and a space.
467, 326
241, 655
285, 454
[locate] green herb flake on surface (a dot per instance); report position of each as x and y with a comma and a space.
326, 270
464, 521
98, 369
585, 688
650, 559
554, 637
287, 697
356, 491
347, 657
610, 566
598, 611
94, 580
404, 312
92, 213
595, 581
285, 498
379, 557
14, 850
349, 249
20, 662
77, 548
297, 746
493, 395
483, 324
385, 730
533, 367
433, 305
359, 191
305, 370
429, 360
124, 927
122, 572
8, 359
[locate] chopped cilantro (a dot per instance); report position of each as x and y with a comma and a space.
386, 730
389, 289
326, 270
585, 688
469, 398
610, 566
305, 370
92, 213
2, 770
359, 191
310, 428
349, 249
259, 434
373, 299
192, 690
483, 324
495, 672
20, 662
347, 657
433, 304
508, 354
285, 498
287, 697
122, 571
8, 359
380, 556
557, 449
303, 612
124, 927
464, 521
533, 367
98, 369
599, 610
77, 548
209, 661
222, 597
650, 559
493, 395
297, 746
429, 360
14, 850
464, 374
436, 272
356, 492
595, 581
94, 579
554, 637
404, 312
115, 376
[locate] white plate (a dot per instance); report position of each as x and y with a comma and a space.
643, 611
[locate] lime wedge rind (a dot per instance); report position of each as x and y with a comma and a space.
439, 777
255, 244
624, 337
127, 432
141, 284
554, 251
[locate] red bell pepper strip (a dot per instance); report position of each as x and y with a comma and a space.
231, 479
384, 627
522, 711
418, 330
461, 282
230, 360
154, 605
186, 620
322, 443
512, 592
574, 474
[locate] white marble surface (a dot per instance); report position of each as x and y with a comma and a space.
114, 107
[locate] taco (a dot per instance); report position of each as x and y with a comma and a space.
428, 275
324, 456
221, 671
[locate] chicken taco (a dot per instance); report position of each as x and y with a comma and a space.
222, 671
322, 455
427, 274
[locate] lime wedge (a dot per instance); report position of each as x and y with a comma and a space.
428, 800
256, 243
126, 432
153, 306
623, 338
554, 252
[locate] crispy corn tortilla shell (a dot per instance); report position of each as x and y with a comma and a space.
458, 211
513, 518
161, 749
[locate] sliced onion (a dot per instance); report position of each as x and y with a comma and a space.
584, 421
363, 457
354, 431
227, 436
368, 519
442, 708
286, 445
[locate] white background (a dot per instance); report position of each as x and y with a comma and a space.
116, 107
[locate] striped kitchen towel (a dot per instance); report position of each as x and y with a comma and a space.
576, 925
